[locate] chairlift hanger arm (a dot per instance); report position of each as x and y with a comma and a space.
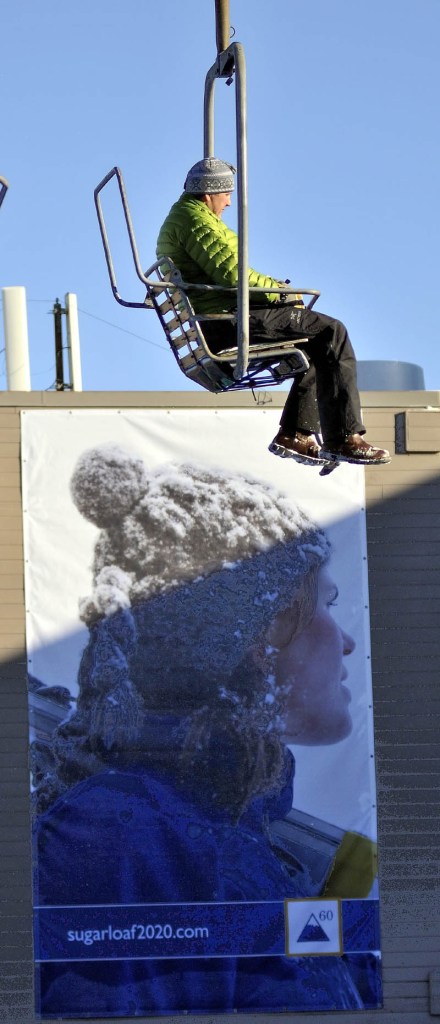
231, 64
234, 58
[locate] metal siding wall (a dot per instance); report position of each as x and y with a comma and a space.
404, 559
403, 503
15, 861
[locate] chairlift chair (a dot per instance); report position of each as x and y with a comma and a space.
3, 188
167, 294
245, 365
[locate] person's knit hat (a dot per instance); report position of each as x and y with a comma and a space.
209, 176
203, 558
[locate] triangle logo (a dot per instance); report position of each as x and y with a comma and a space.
312, 931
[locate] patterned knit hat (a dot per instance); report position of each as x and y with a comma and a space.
210, 175
203, 559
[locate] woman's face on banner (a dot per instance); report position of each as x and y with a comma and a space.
310, 669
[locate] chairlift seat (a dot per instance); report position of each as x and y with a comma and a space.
269, 364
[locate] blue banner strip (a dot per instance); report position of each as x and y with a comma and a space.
161, 931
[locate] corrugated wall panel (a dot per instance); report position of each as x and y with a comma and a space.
404, 558
403, 503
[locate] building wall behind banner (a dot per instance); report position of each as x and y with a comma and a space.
403, 502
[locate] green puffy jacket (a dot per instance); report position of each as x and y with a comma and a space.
206, 252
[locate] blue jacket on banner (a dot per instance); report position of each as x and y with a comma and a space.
130, 838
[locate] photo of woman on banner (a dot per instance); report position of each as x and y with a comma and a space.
212, 650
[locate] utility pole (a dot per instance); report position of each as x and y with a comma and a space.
59, 362
70, 311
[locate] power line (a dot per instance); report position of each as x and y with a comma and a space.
124, 331
108, 323
116, 327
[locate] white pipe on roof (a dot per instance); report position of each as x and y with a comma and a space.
73, 345
18, 374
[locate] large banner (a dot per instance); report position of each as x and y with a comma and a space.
201, 719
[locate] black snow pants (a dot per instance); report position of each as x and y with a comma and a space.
324, 399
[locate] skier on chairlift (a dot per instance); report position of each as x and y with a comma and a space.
325, 399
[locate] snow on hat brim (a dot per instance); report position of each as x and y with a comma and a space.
210, 176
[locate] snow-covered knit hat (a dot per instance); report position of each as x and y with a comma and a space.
210, 175
204, 559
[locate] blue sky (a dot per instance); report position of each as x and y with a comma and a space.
343, 163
